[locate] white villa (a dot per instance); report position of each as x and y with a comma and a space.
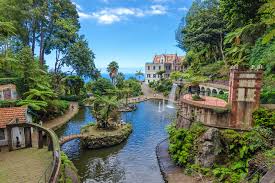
165, 62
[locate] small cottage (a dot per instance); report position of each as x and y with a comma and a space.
13, 115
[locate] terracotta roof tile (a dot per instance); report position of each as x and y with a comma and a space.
168, 58
7, 114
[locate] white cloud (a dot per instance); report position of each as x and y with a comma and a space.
157, 10
112, 15
183, 9
83, 15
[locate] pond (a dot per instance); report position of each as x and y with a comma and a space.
133, 161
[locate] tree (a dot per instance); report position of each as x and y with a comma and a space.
267, 12
139, 74
160, 73
126, 92
113, 69
105, 111
120, 78
239, 13
176, 75
204, 31
80, 58
99, 87
73, 85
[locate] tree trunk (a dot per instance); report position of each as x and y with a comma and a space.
221, 46
42, 49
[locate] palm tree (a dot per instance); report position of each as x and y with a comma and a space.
113, 69
139, 74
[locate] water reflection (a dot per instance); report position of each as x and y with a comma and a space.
133, 161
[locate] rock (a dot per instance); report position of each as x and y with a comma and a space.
209, 147
107, 139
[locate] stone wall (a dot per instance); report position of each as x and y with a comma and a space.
210, 116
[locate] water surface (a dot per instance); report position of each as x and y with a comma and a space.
133, 161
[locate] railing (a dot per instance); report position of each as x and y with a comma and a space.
208, 102
45, 178
52, 172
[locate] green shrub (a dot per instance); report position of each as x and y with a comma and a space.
66, 163
73, 98
57, 107
223, 96
197, 98
238, 149
181, 146
84, 129
264, 117
268, 97
8, 103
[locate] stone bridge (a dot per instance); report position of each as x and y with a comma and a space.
214, 88
68, 138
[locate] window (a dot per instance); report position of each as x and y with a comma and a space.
154, 76
148, 68
154, 67
2, 134
159, 67
148, 76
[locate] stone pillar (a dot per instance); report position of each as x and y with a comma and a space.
50, 143
244, 96
28, 136
9, 134
40, 139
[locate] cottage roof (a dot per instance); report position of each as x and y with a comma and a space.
8, 114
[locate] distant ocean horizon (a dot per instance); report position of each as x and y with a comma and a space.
127, 76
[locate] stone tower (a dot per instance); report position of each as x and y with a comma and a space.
244, 95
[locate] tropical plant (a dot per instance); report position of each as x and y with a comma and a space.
113, 70
105, 111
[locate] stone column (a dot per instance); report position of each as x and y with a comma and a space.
9, 138
28, 137
40, 139
50, 143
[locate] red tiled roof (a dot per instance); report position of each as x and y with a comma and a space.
7, 114
168, 58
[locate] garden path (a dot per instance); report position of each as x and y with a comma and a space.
61, 120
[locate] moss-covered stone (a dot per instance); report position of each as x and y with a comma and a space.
95, 138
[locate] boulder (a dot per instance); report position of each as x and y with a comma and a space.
209, 147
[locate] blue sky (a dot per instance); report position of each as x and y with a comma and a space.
130, 32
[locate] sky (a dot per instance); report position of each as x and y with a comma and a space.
130, 32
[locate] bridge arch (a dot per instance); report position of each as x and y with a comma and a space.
214, 92
208, 92
68, 138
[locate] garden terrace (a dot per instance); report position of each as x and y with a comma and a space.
210, 111
35, 135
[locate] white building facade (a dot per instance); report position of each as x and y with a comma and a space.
166, 63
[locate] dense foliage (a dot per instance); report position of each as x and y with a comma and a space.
164, 86
29, 30
238, 149
217, 34
264, 117
107, 96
